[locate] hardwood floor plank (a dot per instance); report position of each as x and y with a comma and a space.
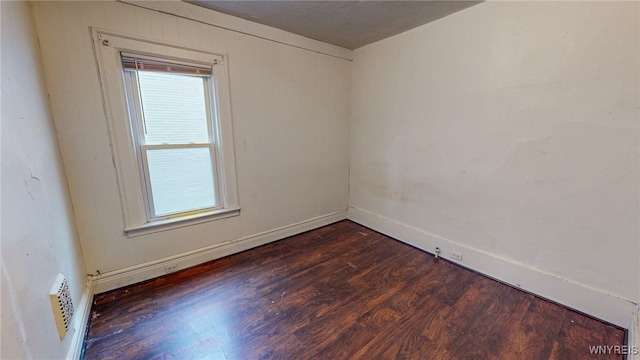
339, 292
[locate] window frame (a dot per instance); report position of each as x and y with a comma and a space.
130, 154
134, 100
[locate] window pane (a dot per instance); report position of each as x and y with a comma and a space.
181, 179
174, 108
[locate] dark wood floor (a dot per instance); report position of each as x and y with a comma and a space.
339, 292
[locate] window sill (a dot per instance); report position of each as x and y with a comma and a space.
168, 224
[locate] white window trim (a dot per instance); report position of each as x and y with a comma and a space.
168, 224
108, 47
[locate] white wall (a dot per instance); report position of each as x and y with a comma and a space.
290, 110
509, 132
39, 239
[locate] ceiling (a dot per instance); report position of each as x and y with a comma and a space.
349, 24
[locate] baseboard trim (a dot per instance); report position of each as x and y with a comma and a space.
83, 311
131, 275
591, 301
633, 337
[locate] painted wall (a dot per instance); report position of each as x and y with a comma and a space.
290, 110
39, 239
509, 132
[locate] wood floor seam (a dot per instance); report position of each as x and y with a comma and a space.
342, 291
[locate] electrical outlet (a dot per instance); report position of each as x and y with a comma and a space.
171, 268
456, 256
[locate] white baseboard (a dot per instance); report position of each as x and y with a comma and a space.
633, 337
81, 321
595, 302
131, 275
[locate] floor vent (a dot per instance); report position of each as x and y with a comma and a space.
61, 304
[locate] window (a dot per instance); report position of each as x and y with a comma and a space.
171, 128
169, 107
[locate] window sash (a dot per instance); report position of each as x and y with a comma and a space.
136, 62
138, 131
151, 215
134, 99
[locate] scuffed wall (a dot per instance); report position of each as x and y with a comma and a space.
290, 112
509, 129
38, 231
